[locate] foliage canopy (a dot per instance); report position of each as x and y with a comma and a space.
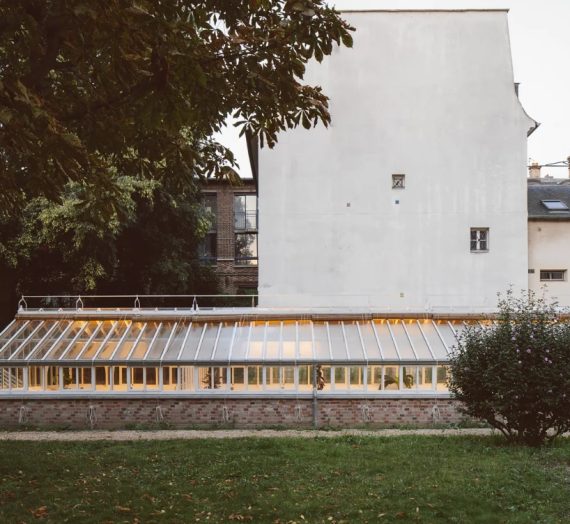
515, 372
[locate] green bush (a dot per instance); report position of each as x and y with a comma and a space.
514, 372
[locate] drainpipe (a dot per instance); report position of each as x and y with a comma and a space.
315, 412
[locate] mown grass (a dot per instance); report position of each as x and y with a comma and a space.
329, 480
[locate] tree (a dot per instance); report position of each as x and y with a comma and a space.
107, 109
93, 90
514, 373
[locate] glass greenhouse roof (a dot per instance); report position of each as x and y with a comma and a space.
90, 339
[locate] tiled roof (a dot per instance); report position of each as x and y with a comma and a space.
545, 189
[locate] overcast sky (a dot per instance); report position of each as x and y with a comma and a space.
540, 41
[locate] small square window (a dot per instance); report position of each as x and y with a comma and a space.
398, 181
479, 239
553, 275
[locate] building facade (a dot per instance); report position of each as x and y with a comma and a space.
549, 238
414, 199
231, 243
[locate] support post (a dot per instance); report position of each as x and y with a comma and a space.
315, 407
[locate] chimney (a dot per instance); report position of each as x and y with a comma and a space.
534, 170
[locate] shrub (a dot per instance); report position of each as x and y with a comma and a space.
514, 372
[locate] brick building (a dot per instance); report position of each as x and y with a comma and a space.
231, 244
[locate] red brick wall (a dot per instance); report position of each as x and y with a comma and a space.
188, 412
231, 276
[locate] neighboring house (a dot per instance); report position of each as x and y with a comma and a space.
549, 237
231, 244
414, 198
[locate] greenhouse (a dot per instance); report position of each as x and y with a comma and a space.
224, 354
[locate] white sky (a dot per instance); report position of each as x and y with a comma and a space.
540, 42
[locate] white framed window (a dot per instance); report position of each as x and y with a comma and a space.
479, 239
553, 275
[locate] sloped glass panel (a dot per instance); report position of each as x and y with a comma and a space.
429, 330
446, 333
239, 347
176, 342
353, 342
386, 342
322, 350
404, 348
20, 336
76, 346
108, 348
273, 341
61, 345
160, 341
255, 351
305, 333
372, 348
289, 344
224, 342
208, 342
338, 344
16, 329
45, 346
121, 352
418, 341
91, 348
141, 347
192, 340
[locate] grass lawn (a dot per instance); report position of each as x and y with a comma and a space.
349, 479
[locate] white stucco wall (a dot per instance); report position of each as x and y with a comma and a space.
427, 94
549, 248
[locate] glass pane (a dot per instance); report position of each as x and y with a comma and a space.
11, 378
340, 378
240, 341
386, 342
28, 346
176, 342
224, 342
353, 342
246, 248
35, 378
418, 341
192, 341
305, 333
288, 334
52, 378
372, 349
374, 378
391, 378
273, 338
76, 346
10, 331
43, 348
442, 376
151, 378
356, 377
406, 352
322, 351
429, 331
212, 377
305, 378
20, 330
254, 378
144, 341
160, 341
272, 378
447, 334
103, 378
137, 378
169, 378
237, 378
61, 346
122, 351
187, 378
409, 377
91, 349
109, 348
256, 342
337, 341
208, 342
425, 377
288, 377
120, 382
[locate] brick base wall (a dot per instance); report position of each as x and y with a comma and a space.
238, 413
